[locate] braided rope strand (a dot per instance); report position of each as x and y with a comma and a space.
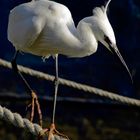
17, 120
86, 88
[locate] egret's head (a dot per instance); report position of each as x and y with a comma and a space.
104, 32
102, 28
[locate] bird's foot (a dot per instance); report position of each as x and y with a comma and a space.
34, 103
52, 132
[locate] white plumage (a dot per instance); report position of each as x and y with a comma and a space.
46, 28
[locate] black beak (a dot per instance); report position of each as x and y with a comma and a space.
116, 51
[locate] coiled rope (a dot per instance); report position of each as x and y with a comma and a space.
18, 121
86, 88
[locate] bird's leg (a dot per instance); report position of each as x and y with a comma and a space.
56, 83
33, 94
52, 129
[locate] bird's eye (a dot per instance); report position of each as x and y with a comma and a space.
107, 40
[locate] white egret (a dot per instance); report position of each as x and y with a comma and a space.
44, 28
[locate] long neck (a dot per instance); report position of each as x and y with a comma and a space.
87, 38
82, 40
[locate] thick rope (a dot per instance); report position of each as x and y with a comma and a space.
18, 121
99, 92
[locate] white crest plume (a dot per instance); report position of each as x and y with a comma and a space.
101, 11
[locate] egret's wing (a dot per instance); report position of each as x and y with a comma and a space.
40, 27
24, 25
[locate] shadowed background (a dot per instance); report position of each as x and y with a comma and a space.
102, 70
